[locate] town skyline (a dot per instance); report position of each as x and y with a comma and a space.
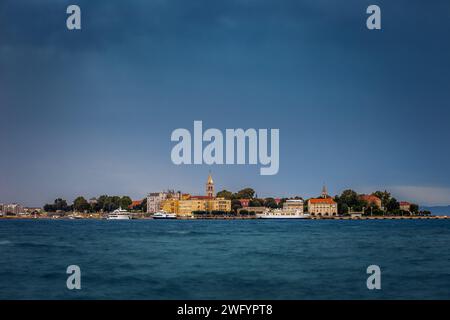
200, 191
222, 202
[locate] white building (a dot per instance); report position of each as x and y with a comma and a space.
154, 200
293, 204
12, 209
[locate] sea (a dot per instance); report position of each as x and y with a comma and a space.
224, 259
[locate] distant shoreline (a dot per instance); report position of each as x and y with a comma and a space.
245, 218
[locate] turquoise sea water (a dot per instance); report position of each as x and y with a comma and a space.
150, 259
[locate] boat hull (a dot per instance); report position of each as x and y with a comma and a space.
164, 215
164, 218
268, 216
119, 218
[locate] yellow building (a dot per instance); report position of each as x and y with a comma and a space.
323, 206
195, 203
187, 204
170, 205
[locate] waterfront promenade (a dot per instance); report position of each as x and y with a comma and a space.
212, 217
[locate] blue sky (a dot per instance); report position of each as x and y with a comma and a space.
90, 112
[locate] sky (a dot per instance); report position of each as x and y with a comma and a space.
91, 112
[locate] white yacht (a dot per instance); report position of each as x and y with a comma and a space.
75, 216
164, 215
283, 214
119, 214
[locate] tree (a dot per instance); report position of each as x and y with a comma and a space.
377, 212
58, 205
61, 205
111, 203
80, 204
101, 203
228, 195
125, 202
392, 205
270, 203
220, 213
342, 208
282, 201
247, 193
255, 203
49, 208
349, 199
384, 196
414, 208
235, 205
144, 205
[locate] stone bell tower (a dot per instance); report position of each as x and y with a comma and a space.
324, 192
210, 187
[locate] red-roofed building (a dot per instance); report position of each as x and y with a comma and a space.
405, 206
371, 200
134, 203
322, 207
244, 202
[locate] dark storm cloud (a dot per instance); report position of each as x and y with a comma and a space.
108, 24
42, 23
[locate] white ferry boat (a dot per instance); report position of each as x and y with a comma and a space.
164, 215
75, 216
119, 214
283, 214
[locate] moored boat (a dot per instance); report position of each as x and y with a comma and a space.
283, 214
119, 214
164, 215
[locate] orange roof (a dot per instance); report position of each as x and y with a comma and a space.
405, 203
369, 198
200, 197
322, 201
135, 203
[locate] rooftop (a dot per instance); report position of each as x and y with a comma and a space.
322, 201
369, 197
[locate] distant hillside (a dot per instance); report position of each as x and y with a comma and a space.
438, 210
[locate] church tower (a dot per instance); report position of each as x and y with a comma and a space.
210, 187
324, 192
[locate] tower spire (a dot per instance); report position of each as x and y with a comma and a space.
210, 186
324, 191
